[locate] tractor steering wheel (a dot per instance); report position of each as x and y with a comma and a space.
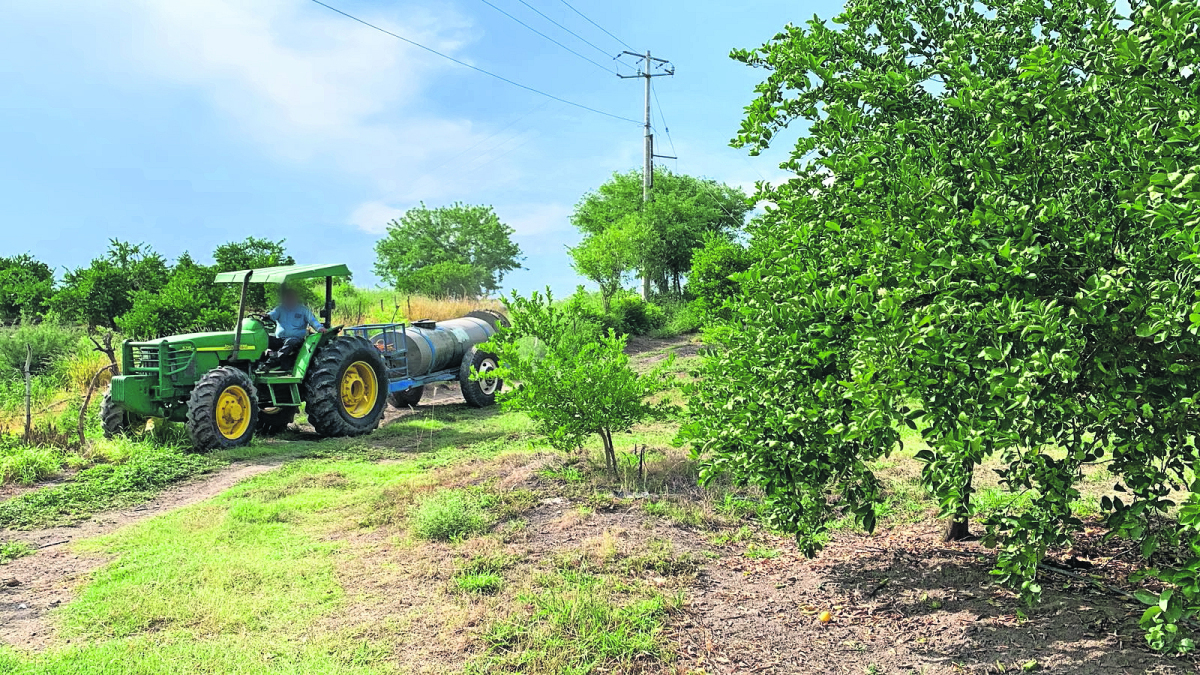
266, 321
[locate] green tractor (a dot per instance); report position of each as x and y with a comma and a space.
222, 386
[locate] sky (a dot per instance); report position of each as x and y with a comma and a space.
185, 124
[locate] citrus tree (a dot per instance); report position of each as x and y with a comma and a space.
991, 240
571, 379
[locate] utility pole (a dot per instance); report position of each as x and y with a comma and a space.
649, 63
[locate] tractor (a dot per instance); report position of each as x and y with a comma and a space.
225, 389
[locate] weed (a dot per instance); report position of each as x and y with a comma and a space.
11, 550
741, 534
449, 515
484, 583
660, 557
27, 465
566, 474
756, 552
684, 515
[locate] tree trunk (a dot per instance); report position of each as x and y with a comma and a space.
610, 455
87, 399
646, 286
958, 529
678, 287
605, 297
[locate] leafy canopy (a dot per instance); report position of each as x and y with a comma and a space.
26, 285
458, 250
665, 231
991, 238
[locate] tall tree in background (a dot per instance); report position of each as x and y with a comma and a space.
26, 285
251, 253
684, 209
991, 239
458, 250
98, 294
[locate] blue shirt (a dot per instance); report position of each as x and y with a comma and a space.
293, 323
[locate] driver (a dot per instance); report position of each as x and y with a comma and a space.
292, 321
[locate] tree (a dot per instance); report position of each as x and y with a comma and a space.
683, 210
713, 267
457, 250
608, 256
991, 240
573, 381
189, 302
26, 285
98, 294
252, 253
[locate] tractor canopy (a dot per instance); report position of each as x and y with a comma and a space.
283, 274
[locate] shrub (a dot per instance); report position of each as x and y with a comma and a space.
634, 316
50, 341
448, 515
712, 266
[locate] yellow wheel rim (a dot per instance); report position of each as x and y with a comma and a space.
233, 412
360, 389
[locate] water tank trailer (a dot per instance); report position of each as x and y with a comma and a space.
429, 352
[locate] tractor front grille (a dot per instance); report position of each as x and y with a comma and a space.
148, 357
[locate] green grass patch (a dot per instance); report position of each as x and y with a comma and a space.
579, 623
483, 583
11, 550
449, 515
756, 552
684, 515
104, 487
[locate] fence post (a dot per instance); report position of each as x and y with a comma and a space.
28, 391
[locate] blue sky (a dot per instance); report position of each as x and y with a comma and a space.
188, 123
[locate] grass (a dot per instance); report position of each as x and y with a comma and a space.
11, 550
449, 515
579, 623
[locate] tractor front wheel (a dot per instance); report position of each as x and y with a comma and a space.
223, 410
345, 389
114, 420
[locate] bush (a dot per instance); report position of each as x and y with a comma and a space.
448, 515
634, 316
50, 341
712, 266
24, 464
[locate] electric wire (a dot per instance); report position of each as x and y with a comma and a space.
666, 128
591, 61
585, 16
577, 35
476, 68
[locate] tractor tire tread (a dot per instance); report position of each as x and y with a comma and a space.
321, 393
200, 425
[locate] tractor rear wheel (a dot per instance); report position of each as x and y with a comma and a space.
346, 387
406, 399
272, 421
223, 410
479, 393
114, 420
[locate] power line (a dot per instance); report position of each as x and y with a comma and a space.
597, 25
475, 68
666, 128
577, 35
594, 63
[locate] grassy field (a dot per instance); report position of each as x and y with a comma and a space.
452, 540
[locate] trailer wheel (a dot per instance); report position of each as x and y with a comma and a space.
222, 410
406, 399
345, 388
272, 421
479, 393
114, 420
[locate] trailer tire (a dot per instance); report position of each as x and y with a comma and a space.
346, 387
113, 418
408, 398
273, 421
479, 393
222, 410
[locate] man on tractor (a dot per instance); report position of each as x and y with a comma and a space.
292, 321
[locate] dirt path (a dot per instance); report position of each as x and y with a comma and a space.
35, 584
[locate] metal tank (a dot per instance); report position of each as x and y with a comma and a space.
434, 346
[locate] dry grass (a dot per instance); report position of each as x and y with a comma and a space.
380, 306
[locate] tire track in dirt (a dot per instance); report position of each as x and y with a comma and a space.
32, 586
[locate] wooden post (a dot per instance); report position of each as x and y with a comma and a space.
28, 391
87, 399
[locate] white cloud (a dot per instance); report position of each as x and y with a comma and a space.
374, 217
